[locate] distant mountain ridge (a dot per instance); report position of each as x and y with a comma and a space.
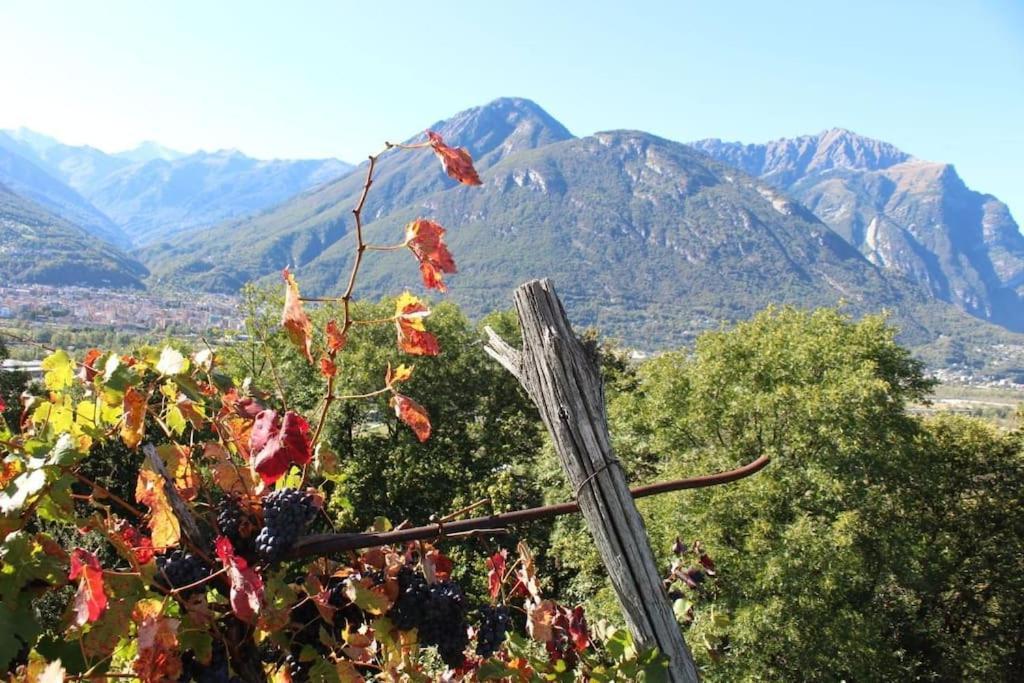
152, 192
161, 198
25, 178
912, 217
295, 232
149, 151
39, 247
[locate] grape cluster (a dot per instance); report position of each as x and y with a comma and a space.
494, 623
436, 610
286, 514
297, 670
181, 569
233, 523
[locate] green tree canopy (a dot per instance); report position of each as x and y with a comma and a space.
876, 546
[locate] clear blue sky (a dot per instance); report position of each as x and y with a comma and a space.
942, 80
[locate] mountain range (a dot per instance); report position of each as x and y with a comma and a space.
150, 192
647, 238
911, 217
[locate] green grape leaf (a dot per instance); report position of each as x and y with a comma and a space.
117, 377
366, 599
18, 626
197, 640
175, 420
324, 671
493, 670
57, 505
103, 636
64, 453
60, 371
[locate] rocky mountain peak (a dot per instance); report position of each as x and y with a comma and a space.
149, 151
502, 127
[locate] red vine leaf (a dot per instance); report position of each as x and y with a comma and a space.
263, 430
496, 572
578, 629
436, 566
90, 600
294, 318
413, 414
335, 338
426, 241
133, 423
88, 369
320, 594
413, 337
130, 542
279, 444
456, 162
246, 583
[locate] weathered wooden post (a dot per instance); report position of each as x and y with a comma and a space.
565, 383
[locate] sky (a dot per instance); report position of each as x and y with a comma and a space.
942, 80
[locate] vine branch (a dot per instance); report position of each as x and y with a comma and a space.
327, 544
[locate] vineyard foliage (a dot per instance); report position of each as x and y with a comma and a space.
150, 503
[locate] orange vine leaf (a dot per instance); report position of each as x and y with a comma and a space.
157, 641
413, 337
163, 523
335, 337
327, 367
91, 599
133, 424
294, 318
182, 471
413, 414
457, 162
426, 241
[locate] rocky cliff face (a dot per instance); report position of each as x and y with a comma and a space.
914, 218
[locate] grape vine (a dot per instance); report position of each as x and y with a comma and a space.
197, 576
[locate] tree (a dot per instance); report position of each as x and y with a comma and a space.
874, 547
